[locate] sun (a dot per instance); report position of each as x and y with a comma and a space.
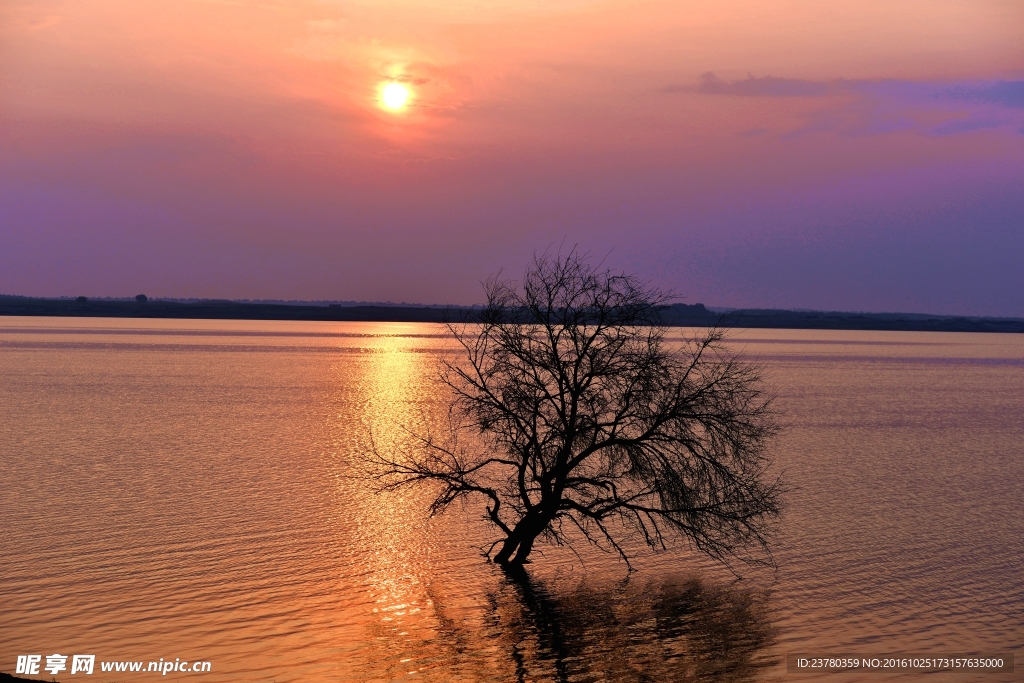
394, 96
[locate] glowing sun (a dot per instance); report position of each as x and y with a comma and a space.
394, 96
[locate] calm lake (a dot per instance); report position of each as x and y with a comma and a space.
183, 489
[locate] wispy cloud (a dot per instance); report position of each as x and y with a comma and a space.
873, 107
1003, 93
767, 86
967, 126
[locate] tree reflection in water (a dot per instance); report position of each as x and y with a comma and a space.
675, 629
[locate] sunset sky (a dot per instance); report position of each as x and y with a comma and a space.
846, 155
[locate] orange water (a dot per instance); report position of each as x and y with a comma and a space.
184, 489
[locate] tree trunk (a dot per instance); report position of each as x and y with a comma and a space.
507, 548
520, 541
525, 546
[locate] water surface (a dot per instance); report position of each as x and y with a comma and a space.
176, 488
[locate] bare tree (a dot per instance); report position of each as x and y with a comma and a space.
585, 418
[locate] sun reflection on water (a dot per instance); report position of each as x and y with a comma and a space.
394, 393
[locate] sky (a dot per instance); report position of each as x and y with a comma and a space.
847, 155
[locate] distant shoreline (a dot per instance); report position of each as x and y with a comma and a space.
683, 315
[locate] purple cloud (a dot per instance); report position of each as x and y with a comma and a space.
751, 86
872, 107
1003, 93
967, 126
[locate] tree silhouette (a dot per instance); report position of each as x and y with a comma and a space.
586, 418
